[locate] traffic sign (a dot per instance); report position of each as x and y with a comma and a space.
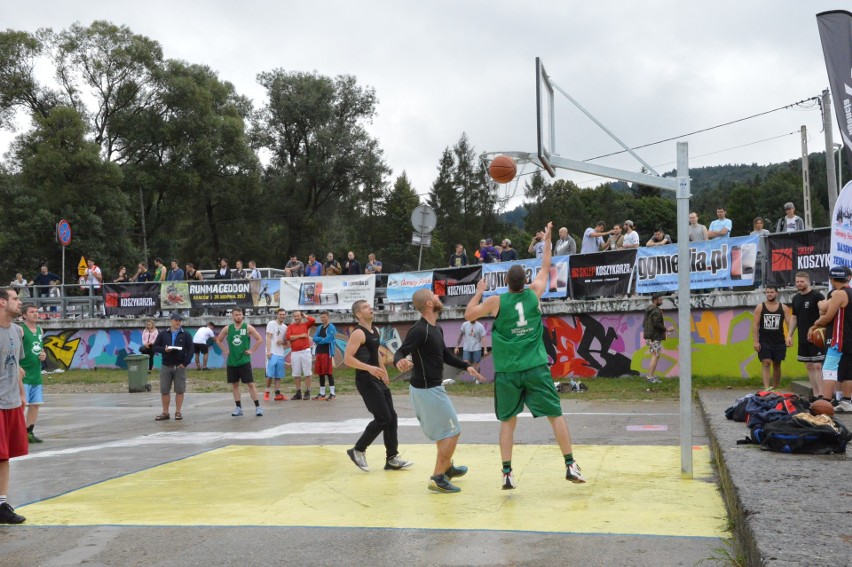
63, 232
82, 266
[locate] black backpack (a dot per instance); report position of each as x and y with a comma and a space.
803, 434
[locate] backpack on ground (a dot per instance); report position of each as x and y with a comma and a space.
804, 433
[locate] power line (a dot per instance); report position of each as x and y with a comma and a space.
814, 100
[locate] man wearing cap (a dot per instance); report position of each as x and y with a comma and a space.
488, 254
838, 311
631, 237
508, 254
177, 349
654, 330
790, 222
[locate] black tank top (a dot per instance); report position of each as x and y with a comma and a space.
843, 323
772, 326
368, 352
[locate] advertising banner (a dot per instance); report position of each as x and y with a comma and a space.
137, 299
805, 250
401, 287
721, 262
327, 292
455, 286
835, 32
221, 294
840, 251
557, 280
602, 274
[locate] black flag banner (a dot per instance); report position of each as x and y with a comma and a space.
835, 32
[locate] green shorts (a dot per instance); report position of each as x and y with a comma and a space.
533, 387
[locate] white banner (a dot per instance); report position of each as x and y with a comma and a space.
328, 292
841, 229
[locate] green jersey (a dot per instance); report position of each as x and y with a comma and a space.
239, 342
32, 350
517, 333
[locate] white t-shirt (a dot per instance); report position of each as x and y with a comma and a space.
473, 333
277, 331
203, 335
93, 277
631, 239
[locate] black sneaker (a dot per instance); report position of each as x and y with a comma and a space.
8, 515
307, 395
455, 472
297, 395
397, 463
440, 483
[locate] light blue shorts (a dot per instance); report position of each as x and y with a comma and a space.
830, 364
472, 356
34, 394
435, 412
275, 366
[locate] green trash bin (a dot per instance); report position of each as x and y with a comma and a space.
137, 373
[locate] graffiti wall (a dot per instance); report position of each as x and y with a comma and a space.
584, 346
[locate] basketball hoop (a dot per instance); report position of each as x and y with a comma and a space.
526, 163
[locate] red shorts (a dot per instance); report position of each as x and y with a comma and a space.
323, 364
13, 434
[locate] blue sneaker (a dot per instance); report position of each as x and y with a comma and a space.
440, 483
258, 411
238, 411
454, 471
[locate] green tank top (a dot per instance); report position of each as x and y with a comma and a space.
517, 333
32, 350
239, 342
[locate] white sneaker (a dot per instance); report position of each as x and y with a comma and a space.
359, 458
572, 473
845, 406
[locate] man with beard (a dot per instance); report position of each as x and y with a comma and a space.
239, 351
432, 405
371, 380
805, 308
520, 361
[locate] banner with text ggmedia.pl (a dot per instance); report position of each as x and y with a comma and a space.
557, 278
137, 299
802, 251
721, 262
601, 274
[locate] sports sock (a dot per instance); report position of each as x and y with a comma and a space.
569, 459
2, 498
277, 392
30, 428
507, 467
239, 404
331, 389
256, 403
322, 390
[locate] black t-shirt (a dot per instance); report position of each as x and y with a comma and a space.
425, 343
323, 348
806, 312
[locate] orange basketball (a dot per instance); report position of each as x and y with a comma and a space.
818, 337
822, 407
502, 169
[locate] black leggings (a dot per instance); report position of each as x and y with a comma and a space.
330, 381
150, 353
377, 397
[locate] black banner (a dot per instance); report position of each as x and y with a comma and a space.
791, 252
601, 274
138, 299
835, 32
455, 286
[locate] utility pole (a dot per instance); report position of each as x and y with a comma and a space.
806, 180
830, 172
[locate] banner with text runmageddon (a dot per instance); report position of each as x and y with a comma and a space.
204, 294
791, 252
137, 299
327, 292
455, 286
721, 262
601, 274
557, 279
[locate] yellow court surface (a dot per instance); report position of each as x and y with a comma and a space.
630, 490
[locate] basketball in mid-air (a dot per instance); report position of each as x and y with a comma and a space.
822, 407
818, 337
502, 169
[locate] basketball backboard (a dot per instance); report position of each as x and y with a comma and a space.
545, 117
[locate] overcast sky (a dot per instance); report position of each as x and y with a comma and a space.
648, 70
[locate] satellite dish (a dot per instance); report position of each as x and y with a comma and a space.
424, 219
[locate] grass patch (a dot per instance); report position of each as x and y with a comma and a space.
212, 381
